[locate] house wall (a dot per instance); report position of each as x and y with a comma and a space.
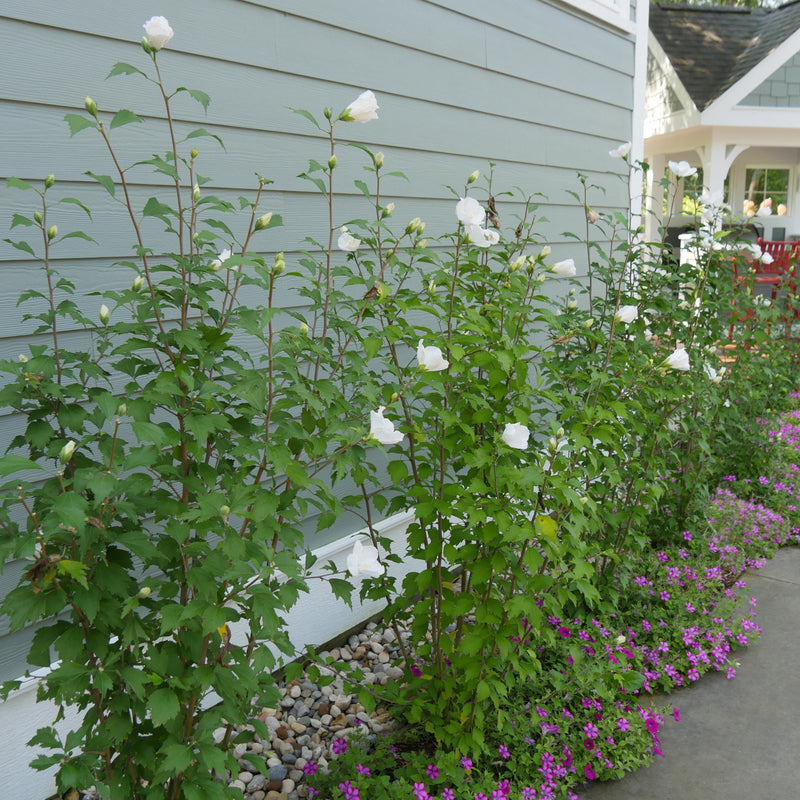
781, 89
541, 89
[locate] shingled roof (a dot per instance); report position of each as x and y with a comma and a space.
712, 47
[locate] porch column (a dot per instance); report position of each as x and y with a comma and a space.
654, 205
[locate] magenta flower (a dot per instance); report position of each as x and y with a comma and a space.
589, 772
565, 632
433, 771
528, 793
588, 744
339, 746
416, 671
676, 715
481, 796
590, 730
466, 763
651, 724
448, 793
362, 770
504, 787
310, 767
503, 750
623, 724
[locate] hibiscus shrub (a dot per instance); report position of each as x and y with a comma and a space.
167, 465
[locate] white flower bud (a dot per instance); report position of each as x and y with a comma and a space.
304, 328
144, 592
587, 323
52, 232
138, 282
474, 176
66, 451
546, 250
196, 192
263, 221
105, 314
22, 358
379, 160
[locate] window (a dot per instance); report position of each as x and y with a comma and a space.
765, 187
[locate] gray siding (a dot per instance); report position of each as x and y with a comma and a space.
781, 89
539, 89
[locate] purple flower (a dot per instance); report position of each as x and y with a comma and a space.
540, 711
651, 724
433, 771
528, 793
623, 724
466, 763
416, 671
589, 772
505, 787
503, 750
588, 744
362, 770
564, 632
481, 796
420, 792
447, 793
676, 715
349, 791
310, 767
339, 746
590, 730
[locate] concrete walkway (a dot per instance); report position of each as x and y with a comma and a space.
737, 739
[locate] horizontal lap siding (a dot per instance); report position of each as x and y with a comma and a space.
539, 89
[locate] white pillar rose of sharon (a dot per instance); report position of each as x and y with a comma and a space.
678, 359
363, 560
347, 241
482, 237
627, 314
566, 268
158, 32
363, 108
681, 169
470, 212
515, 435
431, 358
382, 429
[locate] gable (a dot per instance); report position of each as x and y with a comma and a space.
781, 89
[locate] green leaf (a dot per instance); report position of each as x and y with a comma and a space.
78, 203
398, 471
12, 463
164, 706
362, 187
71, 509
24, 246
203, 132
77, 123
154, 208
123, 117
177, 756
308, 115
18, 184
121, 68
79, 235
201, 97
74, 569
18, 219
103, 180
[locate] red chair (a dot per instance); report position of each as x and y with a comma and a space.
780, 272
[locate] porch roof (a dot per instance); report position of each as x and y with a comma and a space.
713, 47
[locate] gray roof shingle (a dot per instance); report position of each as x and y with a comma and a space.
712, 47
